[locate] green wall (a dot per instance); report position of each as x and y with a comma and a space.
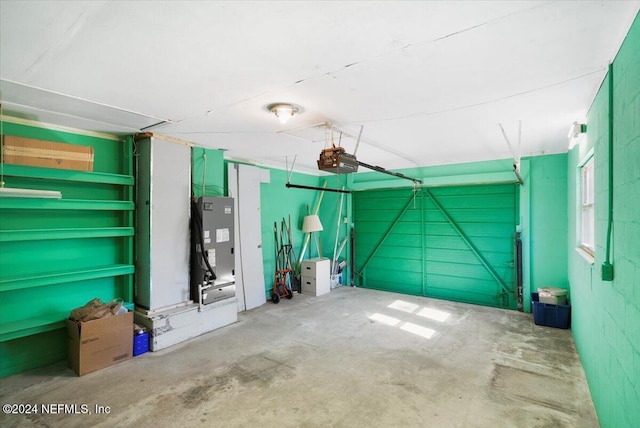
208, 173
549, 221
278, 202
606, 314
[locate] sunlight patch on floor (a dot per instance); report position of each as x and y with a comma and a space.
434, 314
418, 330
403, 306
415, 311
384, 319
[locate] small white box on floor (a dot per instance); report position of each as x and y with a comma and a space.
552, 295
315, 276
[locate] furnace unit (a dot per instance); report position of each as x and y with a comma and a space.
212, 257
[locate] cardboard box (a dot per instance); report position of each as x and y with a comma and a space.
552, 295
47, 154
94, 345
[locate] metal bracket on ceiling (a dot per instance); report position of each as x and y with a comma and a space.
516, 157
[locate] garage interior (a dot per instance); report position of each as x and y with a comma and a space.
323, 213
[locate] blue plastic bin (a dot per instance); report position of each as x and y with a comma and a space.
140, 343
549, 315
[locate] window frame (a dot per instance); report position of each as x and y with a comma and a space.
586, 205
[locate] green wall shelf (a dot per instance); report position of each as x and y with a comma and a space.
32, 325
70, 233
67, 175
37, 324
64, 204
9, 283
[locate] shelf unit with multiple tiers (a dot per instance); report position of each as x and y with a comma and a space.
57, 254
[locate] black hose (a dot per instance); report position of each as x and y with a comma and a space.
519, 271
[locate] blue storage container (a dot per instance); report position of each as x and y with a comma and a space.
549, 315
140, 343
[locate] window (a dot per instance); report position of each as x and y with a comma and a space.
587, 218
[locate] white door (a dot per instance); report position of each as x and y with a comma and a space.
244, 187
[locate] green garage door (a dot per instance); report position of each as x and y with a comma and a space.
454, 243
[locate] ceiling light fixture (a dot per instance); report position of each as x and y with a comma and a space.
283, 111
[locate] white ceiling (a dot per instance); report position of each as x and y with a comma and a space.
428, 81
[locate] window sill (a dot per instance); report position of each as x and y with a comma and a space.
588, 257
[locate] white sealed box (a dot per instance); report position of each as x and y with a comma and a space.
552, 295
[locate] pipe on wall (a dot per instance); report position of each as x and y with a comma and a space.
519, 295
607, 267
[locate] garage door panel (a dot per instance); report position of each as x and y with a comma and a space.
456, 283
480, 230
398, 285
501, 262
407, 228
382, 202
488, 189
386, 273
472, 215
389, 215
395, 264
391, 252
379, 227
408, 241
487, 244
392, 261
459, 270
487, 201
441, 229
462, 256
450, 242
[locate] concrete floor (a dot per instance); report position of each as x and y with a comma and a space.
352, 358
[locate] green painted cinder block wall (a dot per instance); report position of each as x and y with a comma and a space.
549, 221
606, 314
